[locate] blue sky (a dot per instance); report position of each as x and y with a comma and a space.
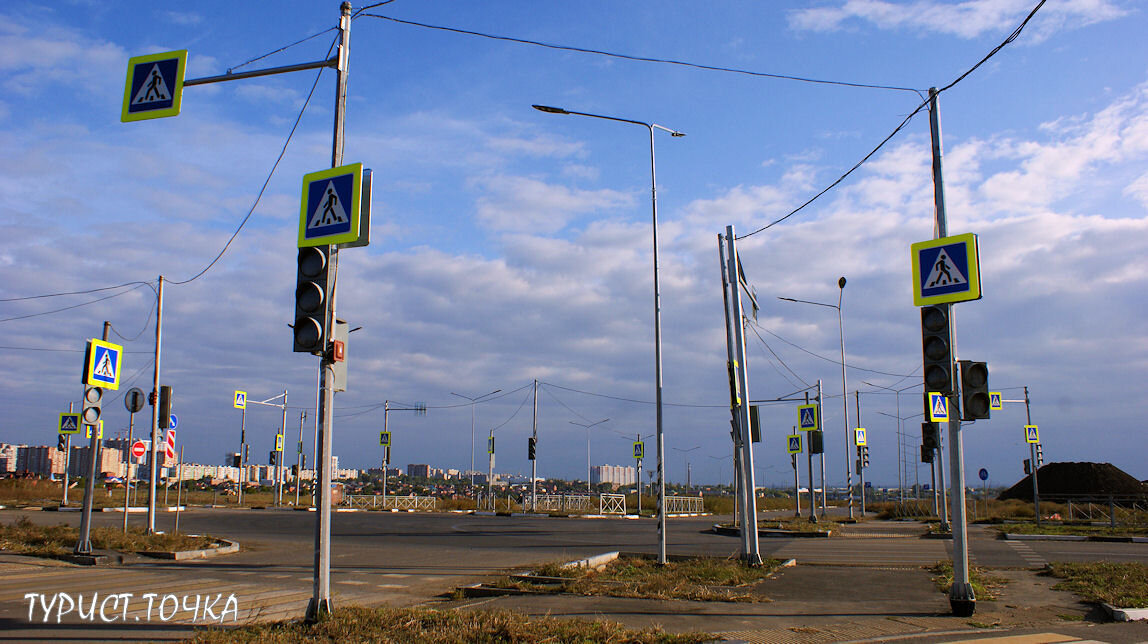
510, 245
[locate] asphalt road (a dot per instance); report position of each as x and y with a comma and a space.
408, 558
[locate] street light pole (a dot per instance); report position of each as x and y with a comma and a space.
588, 426
661, 444
844, 383
900, 434
473, 401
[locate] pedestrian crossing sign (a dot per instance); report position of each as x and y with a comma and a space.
938, 407
996, 403
385, 439
88, 431
102, 363
1031, 434
639, 450
241, 400
946, 270
154, 86
793, 444
808, 418
860, 438
330, 206
69, 424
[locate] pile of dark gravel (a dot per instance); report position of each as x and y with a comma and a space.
1064, 481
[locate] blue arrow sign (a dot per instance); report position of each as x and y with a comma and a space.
174, 422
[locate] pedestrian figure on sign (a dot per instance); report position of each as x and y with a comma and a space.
942, 267
153, 87
329, 207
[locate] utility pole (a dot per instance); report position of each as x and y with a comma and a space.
280, 468
796, 483
1035, 467
153, 470
386, 450
821, 456
534, 461
961, 598
242, 452
298, 454
809, 466
67, 458
860, 468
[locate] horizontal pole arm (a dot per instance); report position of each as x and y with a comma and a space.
330, 62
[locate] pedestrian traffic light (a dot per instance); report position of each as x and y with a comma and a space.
936, 347
930, 437
311, 295
816, 442
164, 407
62, 442
927, 454
1039, 456
531, 447
864, 456
90, 414
975, 402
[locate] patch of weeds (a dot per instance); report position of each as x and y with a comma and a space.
1124, 585
24, 537
986, 586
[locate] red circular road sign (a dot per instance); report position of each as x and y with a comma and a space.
139, 449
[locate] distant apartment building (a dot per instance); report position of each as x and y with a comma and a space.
8, 454
419, 470
111, 461
614, 474
40, 460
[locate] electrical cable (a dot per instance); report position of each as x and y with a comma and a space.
282, 49
520, 406
787, 367
643, 59
74, 306
1013, 36
151, 310
831, 360
630, 400
267, 181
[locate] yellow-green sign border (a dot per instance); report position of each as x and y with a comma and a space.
60, 425
236, 403
800, 444
861, 437
176, 92
356, 171
973, 259
816, 417
930, 397
90, 364
1037, 432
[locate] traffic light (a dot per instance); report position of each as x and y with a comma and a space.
271, 458
936, 348
235, 460
311, 300
62, 442
90, 414
164, 407
1039, 456
930, 437
864, 456
754, 424
531, 447
927, 454
974, 390
1027, 466
816, 442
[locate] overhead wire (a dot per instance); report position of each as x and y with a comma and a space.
630, 400
924, 104
643, 59
74, 306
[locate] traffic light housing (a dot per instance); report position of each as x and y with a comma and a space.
864, 456
816, 442
1027, 466
930, 437
927, 454
754, 424
311, 293
271, 459
165, 393
937, 349
90, 414
974, 390
531, 447
235, 460
62, 442
1039, 456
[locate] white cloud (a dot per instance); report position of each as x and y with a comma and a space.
521, 204
967, 19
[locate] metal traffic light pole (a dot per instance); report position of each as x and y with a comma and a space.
961, 598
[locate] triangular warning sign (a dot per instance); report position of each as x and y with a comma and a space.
940, 408
794, 444
153, 89
807, 418
69, 423
944, 272
106, 369
330, 209
1032, 435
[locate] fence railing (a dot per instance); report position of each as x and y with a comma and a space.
612, 504
391, 502
684, 505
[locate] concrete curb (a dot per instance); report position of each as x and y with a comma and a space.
1125, 614
182, 555
1073, 537
772, 533
595, 562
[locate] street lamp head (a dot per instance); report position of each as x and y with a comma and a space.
675, 133
549, 110
841, 282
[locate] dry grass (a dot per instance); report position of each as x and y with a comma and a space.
700, 579
1124, 585
44, 493
985, 585
354, 624
24, 537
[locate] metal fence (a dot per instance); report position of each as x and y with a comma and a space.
612, 504
684, 505
375, 501
572, 503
